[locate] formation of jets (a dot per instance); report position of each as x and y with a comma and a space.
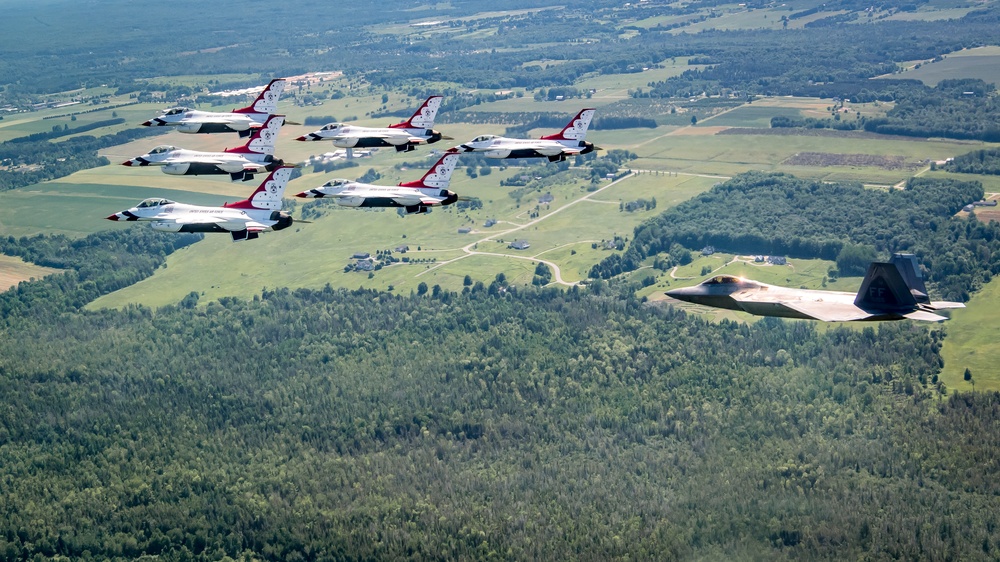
414, 197
259, 121
891, 290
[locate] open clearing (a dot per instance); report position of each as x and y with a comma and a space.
13, 270
973, 334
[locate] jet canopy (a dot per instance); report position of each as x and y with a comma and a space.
154, 202
336, 183
484, 138
724, 280
163, 149
177, 111
332, 126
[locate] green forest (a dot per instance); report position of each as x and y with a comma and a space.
515, 424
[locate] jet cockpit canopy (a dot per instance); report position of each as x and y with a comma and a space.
163, 149
154, 202
724, 280
336, 183
484, 138
177, 111
332, 126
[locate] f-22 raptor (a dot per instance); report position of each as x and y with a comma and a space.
892, 290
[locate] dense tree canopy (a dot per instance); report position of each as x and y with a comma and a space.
533, 424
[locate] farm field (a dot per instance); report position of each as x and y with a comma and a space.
981, 62
13, 270
972, 342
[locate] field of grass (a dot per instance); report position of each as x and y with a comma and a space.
981, 62
13, 270
972, 342
753, 116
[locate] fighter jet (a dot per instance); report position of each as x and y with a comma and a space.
891, 290
242, 121
241, 163
244, 220
414, 197
403, 136
568, 142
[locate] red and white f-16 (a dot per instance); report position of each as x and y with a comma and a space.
403, 136
244, 220
241, 163
568, 142
414, 196
242, 121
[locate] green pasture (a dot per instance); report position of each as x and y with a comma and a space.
669, 190
981, 62
619, 84
972, 342
197, 81
730, 154
991, 184
753, 116
935, 12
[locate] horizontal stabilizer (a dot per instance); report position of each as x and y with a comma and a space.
925, 316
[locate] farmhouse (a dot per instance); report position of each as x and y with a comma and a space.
519, 245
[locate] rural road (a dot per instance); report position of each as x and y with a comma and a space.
557, 273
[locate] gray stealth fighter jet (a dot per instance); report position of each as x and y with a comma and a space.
891, 290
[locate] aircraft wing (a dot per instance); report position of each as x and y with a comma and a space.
550, 150
227, 223
925, 316
828, 307
828, 311
942, 305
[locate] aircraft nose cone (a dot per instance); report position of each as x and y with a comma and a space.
302, 138
127, 163
683, 294
147, 123
114, 217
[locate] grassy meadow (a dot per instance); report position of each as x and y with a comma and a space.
972, 342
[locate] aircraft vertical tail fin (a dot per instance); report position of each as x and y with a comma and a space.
576, 129
885, 288
439, 175
423, 118
267, 101
267, 196
262, 140
914, 278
